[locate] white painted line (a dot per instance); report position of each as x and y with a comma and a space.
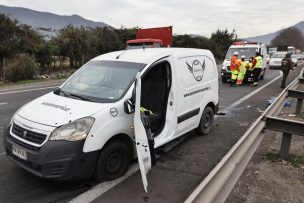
28, 90
238, 102
101, 188
2, 153
3, 103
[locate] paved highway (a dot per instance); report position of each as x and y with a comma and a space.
176, 173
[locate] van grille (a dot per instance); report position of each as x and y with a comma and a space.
31, 136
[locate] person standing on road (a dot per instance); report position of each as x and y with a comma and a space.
257, 68
242, 71
286, 66
234, 67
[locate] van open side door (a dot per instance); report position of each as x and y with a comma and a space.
143, 138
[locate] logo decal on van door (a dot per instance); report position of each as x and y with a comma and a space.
197, 69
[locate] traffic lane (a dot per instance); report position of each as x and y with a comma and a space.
178, 172
230, 94
11, 103
17, 185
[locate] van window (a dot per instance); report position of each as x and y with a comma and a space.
247, 52
102, 81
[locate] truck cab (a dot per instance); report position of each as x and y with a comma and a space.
248, 49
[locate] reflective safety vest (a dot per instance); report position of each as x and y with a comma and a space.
243, 66
234, 63
259, 60
144, 110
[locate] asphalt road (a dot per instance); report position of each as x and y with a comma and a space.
176, 173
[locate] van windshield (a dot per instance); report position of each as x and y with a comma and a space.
102, 81
247, 52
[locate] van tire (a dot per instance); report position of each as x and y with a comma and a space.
113, 162
206, 122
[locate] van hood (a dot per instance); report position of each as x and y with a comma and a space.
54, 110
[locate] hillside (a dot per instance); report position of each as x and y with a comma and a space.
268, 37
47, 23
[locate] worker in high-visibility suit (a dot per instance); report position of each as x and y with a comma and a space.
234, 67
242, 71
249, 76
257, 68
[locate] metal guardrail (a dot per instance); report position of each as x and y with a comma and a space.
218, 184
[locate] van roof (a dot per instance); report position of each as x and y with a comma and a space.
149, 55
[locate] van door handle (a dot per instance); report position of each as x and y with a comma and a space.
171, 103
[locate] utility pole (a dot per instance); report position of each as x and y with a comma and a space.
3, 63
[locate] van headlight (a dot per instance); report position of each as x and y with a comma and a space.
74, 131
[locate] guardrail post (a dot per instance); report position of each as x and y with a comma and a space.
285, 145
299, 106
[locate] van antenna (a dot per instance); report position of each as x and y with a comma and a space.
117, 57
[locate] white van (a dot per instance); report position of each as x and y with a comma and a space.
248, 49
90, 125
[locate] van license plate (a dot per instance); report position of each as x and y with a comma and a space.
19, 153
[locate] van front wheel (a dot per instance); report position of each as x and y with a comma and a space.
206, 123
113, 161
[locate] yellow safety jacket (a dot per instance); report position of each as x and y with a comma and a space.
259, 60
243, 66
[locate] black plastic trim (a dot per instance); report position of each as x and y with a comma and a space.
188, 115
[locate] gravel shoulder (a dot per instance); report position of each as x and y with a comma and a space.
273, 180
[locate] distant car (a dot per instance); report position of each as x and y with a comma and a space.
295, 60
276, 60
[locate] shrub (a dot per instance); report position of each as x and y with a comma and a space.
20, 68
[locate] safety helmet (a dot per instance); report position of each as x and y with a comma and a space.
236, 53
243, 56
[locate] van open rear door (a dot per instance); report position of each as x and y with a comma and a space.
143, 138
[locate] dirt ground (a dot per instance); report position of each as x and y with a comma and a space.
272, 180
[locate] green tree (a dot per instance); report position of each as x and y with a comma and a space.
73, 43
8, 38
220, 42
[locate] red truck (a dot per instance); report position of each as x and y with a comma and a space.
151, 37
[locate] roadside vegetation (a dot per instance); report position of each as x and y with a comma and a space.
26, 55
293, 159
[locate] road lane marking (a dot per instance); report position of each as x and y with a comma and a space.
2, 153
101, 188
28, 90
3, 103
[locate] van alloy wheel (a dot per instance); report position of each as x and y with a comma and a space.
113, 161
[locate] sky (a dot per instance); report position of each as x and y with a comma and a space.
199, 17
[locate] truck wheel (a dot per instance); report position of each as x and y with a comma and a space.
224, 80
113, 161
206, 123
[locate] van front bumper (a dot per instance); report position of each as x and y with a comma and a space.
62, 160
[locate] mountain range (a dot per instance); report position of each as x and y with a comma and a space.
48, 23
268, 37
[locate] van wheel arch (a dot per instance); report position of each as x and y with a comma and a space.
114, 158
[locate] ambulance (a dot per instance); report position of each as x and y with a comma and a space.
117, 107
248, 49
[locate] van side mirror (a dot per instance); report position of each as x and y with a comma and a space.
129, 106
